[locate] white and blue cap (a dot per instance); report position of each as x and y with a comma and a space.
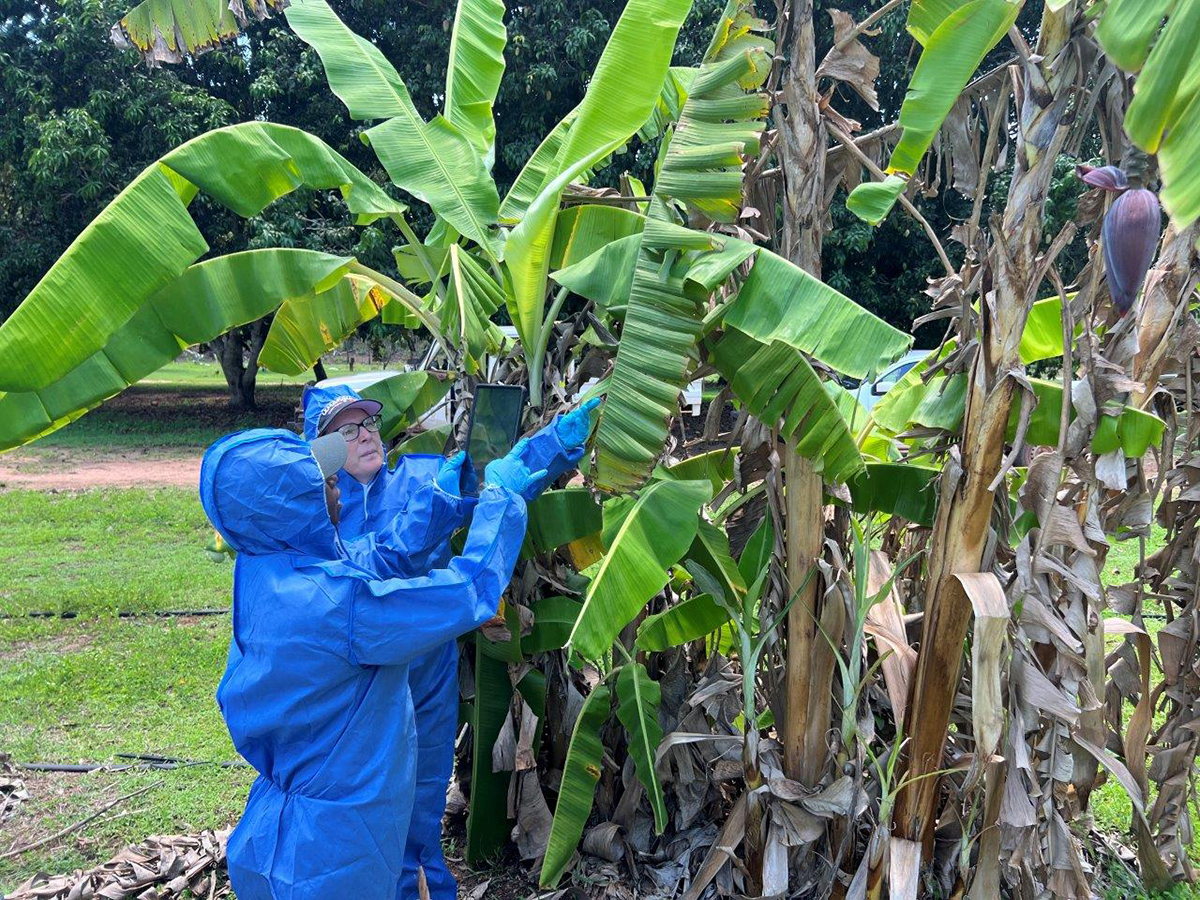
340, 404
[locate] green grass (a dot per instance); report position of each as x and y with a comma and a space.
85, 690
98, 552
88, 688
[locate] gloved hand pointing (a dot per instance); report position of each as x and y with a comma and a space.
573, 428
510, 472
455, 474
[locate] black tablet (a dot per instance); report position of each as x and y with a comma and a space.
494, 425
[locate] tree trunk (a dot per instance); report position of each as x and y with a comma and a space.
964, 511
238, 350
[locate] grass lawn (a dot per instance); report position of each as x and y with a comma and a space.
87, 688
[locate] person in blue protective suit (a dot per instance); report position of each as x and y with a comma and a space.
315, 691
372, 496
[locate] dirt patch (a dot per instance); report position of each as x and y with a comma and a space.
67, 471
59, 644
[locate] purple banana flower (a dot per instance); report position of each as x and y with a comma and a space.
1130, 235
1107, 178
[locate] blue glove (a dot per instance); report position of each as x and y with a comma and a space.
573, 428
455, 475
511, 473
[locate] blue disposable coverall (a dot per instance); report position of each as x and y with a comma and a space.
315, 692
433, 678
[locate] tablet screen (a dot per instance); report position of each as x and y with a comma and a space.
495, 423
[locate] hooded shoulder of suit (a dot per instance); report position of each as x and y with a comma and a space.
262, 490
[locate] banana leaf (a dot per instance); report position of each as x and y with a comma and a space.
871, 201
711, 550
950, 57
560, 517
656, 352
145, 239
638, 699
168, 31
756, 555
606, 276
779, 301
620, 97
582, 230
924, 16
474, 71
1166, 84
716, 466
305, 328
653, 535
538, 171
431, 441
405, 398
207, 300
488, 826
690, 620
553, 619
895, 489
1126, 29
578, 787
777, 385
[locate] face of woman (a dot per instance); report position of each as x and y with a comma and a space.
364, 452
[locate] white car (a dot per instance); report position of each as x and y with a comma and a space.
443, 413
869, 392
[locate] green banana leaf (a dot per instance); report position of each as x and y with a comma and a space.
1163, 88
168, 30
655, 532
559, 517
430, 441
145, 239
305, 328
358, 73
657, 347
585, 229
941, 402
620, 97
905, 490
577, 790
871, 201
777, 385
204, 302
670, 103
924, 17
950, 57
434, 161
721, 120
538, 171
694, 618
472, 296
716, 466
638, 698
711, 550
474, 71
606, 276
488, 826
1127, 28
553, 619
405, 398
779, 301
756, 555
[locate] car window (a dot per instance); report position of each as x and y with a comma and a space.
898, 372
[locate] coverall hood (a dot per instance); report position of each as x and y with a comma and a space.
261, 488
316, 399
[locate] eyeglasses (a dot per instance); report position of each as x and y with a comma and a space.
371, 423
